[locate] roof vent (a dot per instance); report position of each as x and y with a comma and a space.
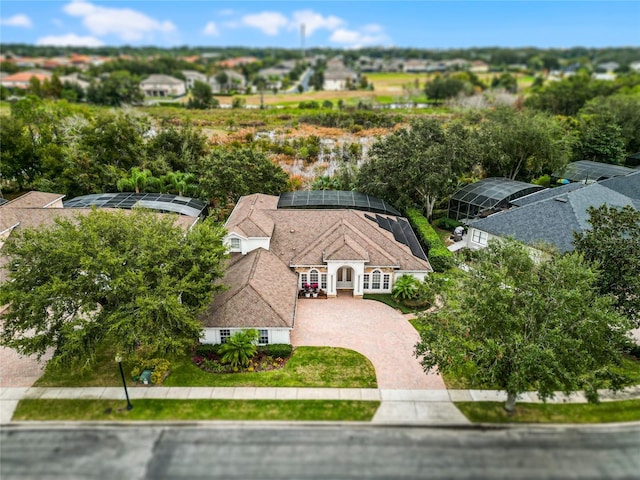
561, 199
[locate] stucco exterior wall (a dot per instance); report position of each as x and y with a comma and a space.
276, 335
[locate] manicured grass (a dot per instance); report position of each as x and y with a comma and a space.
104, 373
388, 299
160, 410
492, 412
308, 367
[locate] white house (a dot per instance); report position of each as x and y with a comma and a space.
162, 86
192, 77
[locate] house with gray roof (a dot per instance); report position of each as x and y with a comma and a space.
157, 85
550, 217
345, 244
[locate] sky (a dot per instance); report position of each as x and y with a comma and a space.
337, 24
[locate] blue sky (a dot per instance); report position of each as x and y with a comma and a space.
338, 24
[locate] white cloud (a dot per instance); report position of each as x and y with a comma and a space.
211, 29
69, 40
369, 35
313, 21
129, 25
19, 20
269, 23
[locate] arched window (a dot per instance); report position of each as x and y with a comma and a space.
375, 280
313, 277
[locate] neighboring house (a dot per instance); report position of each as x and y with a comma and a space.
608, 66
635, 66
235, 81
75, 79
21, 79
550, 217
339, 79
343, 241
487, 196
157, 85
37, 209
192, 76
275, 75
416, 66
478, 66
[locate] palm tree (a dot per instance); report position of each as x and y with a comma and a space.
137, 180
405, 287
178, 182
240, 348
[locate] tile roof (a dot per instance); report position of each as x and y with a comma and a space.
553, 219
262, 293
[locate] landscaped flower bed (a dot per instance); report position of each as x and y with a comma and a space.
272, 357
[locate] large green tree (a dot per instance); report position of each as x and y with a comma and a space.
418, 166
621, 110
229, 173
523, 144
131, 280
526, 325
202, 96
613, 244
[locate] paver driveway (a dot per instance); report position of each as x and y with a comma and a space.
19, 371
371, 328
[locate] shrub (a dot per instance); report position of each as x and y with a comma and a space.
281, 350
206, 349
405, 288
158, 366
440, 257
240, 347
446, 223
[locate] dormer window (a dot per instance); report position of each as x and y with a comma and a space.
234, 243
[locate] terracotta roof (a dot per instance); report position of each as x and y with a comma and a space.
262, 293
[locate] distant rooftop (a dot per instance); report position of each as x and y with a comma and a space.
335, 199
155, 201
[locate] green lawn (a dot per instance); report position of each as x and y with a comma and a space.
308, 367
492, 412
162, 410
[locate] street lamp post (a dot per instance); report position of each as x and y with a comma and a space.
124, 383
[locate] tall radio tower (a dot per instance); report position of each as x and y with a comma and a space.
302, 40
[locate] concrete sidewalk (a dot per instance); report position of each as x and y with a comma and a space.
411, 407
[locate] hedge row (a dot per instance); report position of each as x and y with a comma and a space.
440, 257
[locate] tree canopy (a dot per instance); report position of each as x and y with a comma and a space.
419, 165
132, 280
613, 244
526, 325
228, 174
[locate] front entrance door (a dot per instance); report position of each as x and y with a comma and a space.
345, 278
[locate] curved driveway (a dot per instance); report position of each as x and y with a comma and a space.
371, 328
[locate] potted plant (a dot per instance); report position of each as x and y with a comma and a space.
307, 290
314, 290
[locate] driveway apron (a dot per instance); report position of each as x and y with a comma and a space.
371, 328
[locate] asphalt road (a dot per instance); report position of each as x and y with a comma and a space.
323, 452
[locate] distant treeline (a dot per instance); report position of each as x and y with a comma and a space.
549, 58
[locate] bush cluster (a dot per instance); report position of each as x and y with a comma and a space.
278, 350
440, 257
159, 368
